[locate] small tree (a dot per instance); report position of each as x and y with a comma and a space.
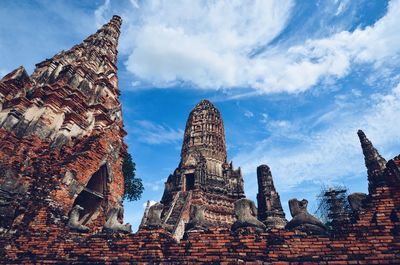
133, 186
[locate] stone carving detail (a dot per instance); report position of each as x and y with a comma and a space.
113, 224
154, 216
73, 221
357, 201
197, 219
246, 212
302, 220
270, 210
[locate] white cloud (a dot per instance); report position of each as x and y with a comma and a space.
304, 66
331, 153
265, 117
223, 44
356, 92
153, 133
248, 114
206, 43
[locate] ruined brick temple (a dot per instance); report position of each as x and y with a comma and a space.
61, 135
203, 177
61, 183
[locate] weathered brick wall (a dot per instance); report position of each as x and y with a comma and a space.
39, 172
373, 239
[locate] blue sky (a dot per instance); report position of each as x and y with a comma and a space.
294, 80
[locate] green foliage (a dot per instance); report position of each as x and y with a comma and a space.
133, 186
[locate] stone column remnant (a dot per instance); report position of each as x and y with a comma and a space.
270, 210
374, 162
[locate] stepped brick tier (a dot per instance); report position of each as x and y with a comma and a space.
61, 135
61, 185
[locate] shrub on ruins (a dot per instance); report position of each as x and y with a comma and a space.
133, 186
333, 207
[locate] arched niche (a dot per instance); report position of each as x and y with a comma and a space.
93, 195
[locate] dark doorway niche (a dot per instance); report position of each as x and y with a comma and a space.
189, 182
92, 195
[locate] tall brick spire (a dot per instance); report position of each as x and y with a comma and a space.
374, 162
67, 114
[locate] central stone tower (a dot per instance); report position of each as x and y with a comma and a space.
203, 176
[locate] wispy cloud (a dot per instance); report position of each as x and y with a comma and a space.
331, 153
100, 13
152, 133
248, 114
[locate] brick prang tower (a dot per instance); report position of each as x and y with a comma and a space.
62, 133
203, 177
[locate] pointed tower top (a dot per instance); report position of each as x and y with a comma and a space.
104, 42
117, 19
374, 162
204, 103
85, 66
205, 133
